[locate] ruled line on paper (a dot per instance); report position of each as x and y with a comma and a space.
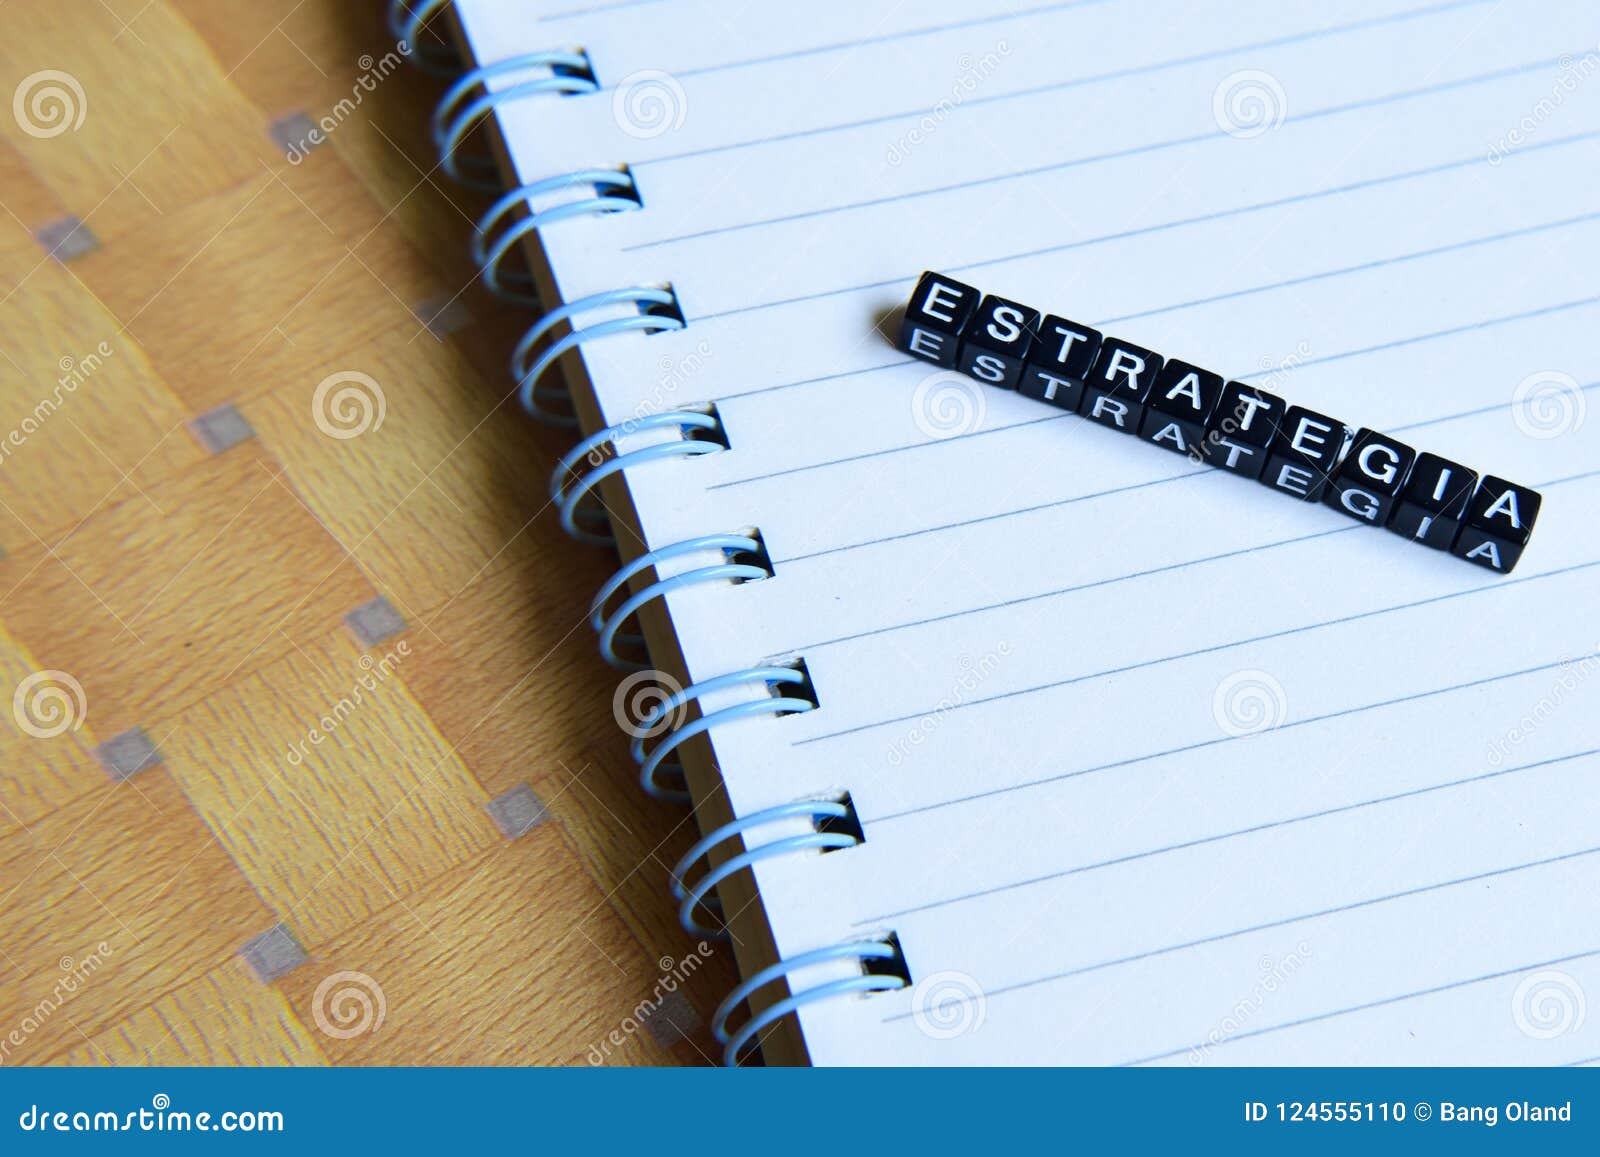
1093, 584
1201, 745
1360, 267
597, 9
837, 259
1215, 134
1414, 995
1188, 474
1222, 837
1120, 74
1111, 580
1567, 857
1508, 319
985, 101
888, 38
1362, 351
1432, 170
1489, 587
819, 380
1204, 472
1181, 222
889, 451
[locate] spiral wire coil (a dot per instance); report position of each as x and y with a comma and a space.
860, 950
698, 894
657, 758
614, 191
528, 370
406, 21
500, 230
569, 486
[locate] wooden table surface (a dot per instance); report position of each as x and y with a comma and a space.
284, 681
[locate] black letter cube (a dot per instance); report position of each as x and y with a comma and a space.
937, 313
1061, 357
1500, 521
998, 337
1304, 453
1241, 428
1248, 415
1119, 382
1369, 479
1175, 414
1433, 501
1226, 452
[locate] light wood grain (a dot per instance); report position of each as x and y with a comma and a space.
201, 597
225, 1017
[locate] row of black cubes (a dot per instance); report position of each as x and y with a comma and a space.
1233, 426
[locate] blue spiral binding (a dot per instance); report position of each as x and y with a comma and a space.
614, 192
452, 121
466, 103
527, 374
406, 18
865, 982
656, 759
607, 625
488, 257
697, 895
568, 497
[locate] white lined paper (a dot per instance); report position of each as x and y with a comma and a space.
1075, 833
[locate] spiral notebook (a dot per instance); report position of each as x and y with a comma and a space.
1014, 740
